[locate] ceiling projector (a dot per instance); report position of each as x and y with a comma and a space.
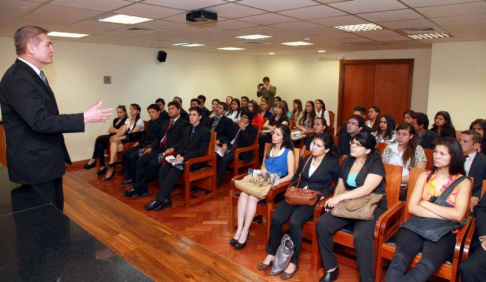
201, 16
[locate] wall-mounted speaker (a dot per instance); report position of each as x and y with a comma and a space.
161, 56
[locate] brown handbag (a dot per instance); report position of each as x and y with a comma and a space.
301, 197
361, 208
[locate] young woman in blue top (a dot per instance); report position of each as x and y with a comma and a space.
279, 157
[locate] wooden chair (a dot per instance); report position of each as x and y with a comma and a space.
292, 122
126, 146
380, 147
330, 127
386, 237
429, 153
237, 163
265, 206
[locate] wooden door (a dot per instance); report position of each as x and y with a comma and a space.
358, 90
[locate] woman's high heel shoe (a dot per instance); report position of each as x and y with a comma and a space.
90, 166
239, 245
101, 171
112, 174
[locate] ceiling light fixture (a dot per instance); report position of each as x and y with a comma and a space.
429, 36
271, 53
359, 27
124, 19
231, 48
66, 34
188, 44
322, 51
254, 37
297, 43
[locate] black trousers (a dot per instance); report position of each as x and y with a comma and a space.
146, 168
168, 176
473, 269
51, 191
101, 144
130, 158
409, 244
264, 138
223, 163
298, 215
363, 238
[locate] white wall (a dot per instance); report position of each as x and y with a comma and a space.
306, 77
76, 77
458, 81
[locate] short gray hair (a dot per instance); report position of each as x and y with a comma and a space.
25, 34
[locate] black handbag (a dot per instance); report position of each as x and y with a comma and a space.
135, 136
434, 229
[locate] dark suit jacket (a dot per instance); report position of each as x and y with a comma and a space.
223, 128
36, 152
164, 115
245, 139
321, 180
343, 129
428, 141
308, 141
478, 171
184, 114
195, 146
480, 211
174, 135
205, 111
153, 132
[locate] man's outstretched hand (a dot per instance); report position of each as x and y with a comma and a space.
94, 114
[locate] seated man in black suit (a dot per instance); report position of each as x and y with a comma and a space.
202, 101
359, 111
148, 164
473, 269
425, 137
163, 113
354, 126
243, 135
204, 117
184, 114
221, 124
131, 155
474, 164
194, 144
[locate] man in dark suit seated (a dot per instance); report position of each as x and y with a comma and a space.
474, 163
243, 135
425, 137
359, 111
131, 155
194, 144
202, 101
163, 113
184, 114
473, 269
221, 124
354, 126
148, 164
204, 117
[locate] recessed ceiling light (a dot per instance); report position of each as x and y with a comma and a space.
231, 48
271, 53
66, 34
429, 36
231, 1
188, 44
180, 44
358, 27
254, 37
297, 43
124, 19
322, 51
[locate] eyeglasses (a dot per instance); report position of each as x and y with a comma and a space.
352, 123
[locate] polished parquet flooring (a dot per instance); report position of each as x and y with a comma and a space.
205, 223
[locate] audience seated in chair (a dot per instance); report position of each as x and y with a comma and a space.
204, 117
360, 111
278, 118
234, 110
479, 125
318, 128
321, 110
474, 163
163, 113
194, 144
386, 130
354, 126
214, 105
264, 109
409, 116
221, 124
373, 122
257, 116
202, 101
306, 123
443, 125
183, 114
298, 111
425, 137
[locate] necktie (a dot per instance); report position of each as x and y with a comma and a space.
164, 139
193, 130
215, 123
234, 146
43, 77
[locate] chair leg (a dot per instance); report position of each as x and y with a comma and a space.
231, 225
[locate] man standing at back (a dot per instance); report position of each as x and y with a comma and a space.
36, 153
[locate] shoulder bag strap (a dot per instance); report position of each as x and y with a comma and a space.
300, 175
441, 200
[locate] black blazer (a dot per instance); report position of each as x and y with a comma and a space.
153, 132
480, 212
164, 115
322, 178
174, 135
36, 152
223, 128
478, 171
195, 146
205, 111
428, 141
184, 114
245, 139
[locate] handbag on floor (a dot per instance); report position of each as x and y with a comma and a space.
283, 255
362, 208
255, 184
298, 196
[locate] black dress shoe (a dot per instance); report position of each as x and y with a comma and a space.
151, 206
128, 181
140, 194
90, 166
101, 171
130, 192
330, 276
233, 242
165, 205
239, 245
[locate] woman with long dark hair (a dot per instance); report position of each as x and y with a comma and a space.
278, 118
298, 112
373, 121
307, 121
443, 125
386, 132
448, 166
321, 110
234, 111
257, 116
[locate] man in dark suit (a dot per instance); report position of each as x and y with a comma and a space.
204, 117
242, 136
163, 113
474, 163
184, 114
148, 164
354, 126
202, 101
131, 155
221, 124
36, 153
360, 111
194, 144
425, 137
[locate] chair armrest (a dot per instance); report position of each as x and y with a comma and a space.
232, 183
245, 149
468, 240
199, 160
127, 146
391, 215
276, 190
460, 239
320, 207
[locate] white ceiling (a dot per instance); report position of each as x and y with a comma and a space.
285, 20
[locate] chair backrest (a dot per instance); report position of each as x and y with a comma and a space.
341, 160
307, 152
292, 122
380, 147
458, 134
145, 125
412, 180
255, 142
483, 189
212, 144
336, 140
330, 127
393, 182
429, 153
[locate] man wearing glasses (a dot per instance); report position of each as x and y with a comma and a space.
354, 126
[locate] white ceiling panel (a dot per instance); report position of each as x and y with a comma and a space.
314, 12
457, 29
148, 11
166, 25
8, 16
232, 10
41, 20
268, 19
368, 6
18, 6
377, 33
460, 20
428, 3
408, 24
278, 5
266, 30
388, 16
186, 5
94, 27
66, 12
392, 38
337, 21
234, 24
354, 40
98, 5
296, 25
454, 10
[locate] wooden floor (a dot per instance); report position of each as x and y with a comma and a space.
149, 244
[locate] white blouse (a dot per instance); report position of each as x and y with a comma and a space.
139, 123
